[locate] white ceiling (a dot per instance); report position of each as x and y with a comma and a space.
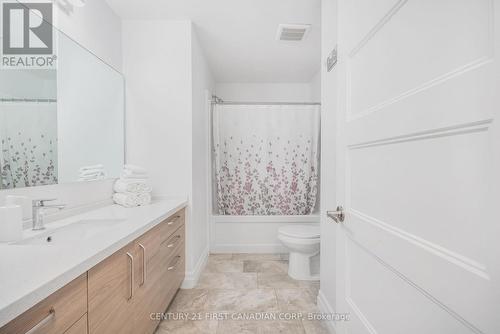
238, 36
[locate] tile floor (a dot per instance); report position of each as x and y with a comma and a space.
233, 286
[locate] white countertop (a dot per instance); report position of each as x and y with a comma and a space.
31, 273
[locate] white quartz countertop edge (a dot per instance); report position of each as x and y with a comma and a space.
9, 310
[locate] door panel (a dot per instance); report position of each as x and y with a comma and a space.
387, 285
418, 159
436, 39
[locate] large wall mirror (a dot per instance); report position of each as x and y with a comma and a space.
56, 120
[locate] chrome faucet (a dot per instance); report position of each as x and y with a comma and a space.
39, 207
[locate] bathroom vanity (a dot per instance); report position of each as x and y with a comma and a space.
120, 274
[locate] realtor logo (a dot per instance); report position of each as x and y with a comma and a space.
27, 35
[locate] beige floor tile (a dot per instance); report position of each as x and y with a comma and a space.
227, 281
278, 281
187, 327
253, 300
190, 300
296, 300
260, 327
256, 257
315, 327
217, 265
263, 287
311, 285
277, 267
221, 256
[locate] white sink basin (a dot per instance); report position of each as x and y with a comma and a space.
72, 233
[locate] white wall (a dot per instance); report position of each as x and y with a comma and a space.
202, 87
328, 134
157, 65
315, 87
167, 119
266, 92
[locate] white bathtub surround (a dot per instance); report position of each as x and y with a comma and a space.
91, 173
34, 274
251, 234
266, 159
11, 223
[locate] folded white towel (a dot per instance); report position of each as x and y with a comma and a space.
128, 174
132, 186
91, 178
130, 200
92, 172
144, 199
126, 200
135, 169
85, 168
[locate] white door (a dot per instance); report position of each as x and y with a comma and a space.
418, 166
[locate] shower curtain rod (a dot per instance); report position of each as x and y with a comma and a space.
268, 103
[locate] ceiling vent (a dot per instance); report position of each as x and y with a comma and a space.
292, 32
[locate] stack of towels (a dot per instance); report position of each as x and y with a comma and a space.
91, 173
132, 188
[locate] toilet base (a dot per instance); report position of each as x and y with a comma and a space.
299, 267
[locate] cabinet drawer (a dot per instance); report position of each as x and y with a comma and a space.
175, 275
55, 314
80, 327
172, 223
172, 244
162, 235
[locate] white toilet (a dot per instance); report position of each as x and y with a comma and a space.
303, 243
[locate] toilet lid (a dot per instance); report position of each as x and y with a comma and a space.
300, 231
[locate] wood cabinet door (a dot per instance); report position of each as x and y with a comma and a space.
155, 276
111, 293
148, 275
80, 327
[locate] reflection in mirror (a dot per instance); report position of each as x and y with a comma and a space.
55, 122
28, 128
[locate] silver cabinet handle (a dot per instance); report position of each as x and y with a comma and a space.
174, 241
131, 258
172, 266
174, 220
143, 264
43, 322
338, 215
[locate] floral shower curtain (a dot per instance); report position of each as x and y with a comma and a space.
266, 158
28, 144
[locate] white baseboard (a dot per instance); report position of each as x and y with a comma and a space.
248, 248
193, 276
325, 307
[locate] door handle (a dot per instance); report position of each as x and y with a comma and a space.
172, 266
338, 215
174, 220
51, 316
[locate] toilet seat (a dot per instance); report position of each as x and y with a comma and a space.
300, 231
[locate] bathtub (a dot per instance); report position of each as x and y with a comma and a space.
251, 234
